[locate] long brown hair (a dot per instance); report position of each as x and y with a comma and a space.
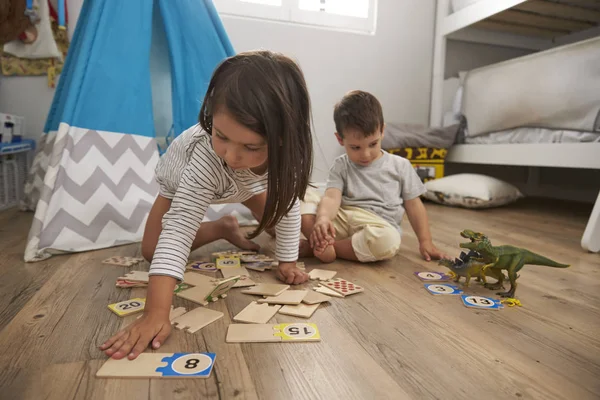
266, 92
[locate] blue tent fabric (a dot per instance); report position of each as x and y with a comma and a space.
194, 53
92, 182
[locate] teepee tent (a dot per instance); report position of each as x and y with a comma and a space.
92, 180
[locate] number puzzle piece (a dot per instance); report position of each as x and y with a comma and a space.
123, 261
267, 289
343, 286
299, 310
128, 307
228, 262
255, 313
196, 319
244, 281
136, 276
181, 286
234, 271
313, 297
439, 288
432, 276
258, 266
264, 333
327, 291
201, 266
152, 365
480, 302
321, 274
122, 283
208, 291
249, 258
291, 297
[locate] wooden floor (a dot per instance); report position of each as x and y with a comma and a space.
394, 341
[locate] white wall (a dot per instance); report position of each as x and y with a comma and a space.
394, 64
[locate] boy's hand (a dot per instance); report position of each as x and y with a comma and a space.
289, 273
429, 251
134, 339
323, 233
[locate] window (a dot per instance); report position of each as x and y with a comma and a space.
353, 15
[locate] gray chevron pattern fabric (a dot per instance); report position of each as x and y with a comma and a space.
92, 189
96, 191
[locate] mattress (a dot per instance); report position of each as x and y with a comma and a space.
534, 135
555, 89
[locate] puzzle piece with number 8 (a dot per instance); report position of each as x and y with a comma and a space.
343, 287
151, 365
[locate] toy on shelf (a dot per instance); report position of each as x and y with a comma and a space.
509, 258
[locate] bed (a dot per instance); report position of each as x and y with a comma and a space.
539, 110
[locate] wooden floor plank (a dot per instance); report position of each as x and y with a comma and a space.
393, 341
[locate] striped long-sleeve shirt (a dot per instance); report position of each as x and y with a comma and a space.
193, 176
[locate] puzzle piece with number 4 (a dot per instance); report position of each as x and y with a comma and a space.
263, 333
151, 365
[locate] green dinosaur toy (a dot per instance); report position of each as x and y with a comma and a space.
468, 266
510, 258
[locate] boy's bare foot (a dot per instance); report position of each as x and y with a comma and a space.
289, 273
326, 254
305, 249
233, 234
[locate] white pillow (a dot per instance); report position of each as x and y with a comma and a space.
471, 191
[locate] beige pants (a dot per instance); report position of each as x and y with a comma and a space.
373, 238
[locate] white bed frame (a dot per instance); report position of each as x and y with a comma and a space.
459, 26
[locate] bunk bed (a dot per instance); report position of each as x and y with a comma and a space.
539, 110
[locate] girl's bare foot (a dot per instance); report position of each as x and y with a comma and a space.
305, 249
326, 254
233, 234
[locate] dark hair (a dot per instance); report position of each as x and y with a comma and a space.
358, 110
266, 92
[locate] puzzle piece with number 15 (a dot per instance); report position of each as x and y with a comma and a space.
264, 333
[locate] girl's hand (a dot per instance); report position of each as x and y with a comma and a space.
288, 272
323, 233
134, 338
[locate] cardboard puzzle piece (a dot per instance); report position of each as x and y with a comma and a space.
196, 319
136, 276
482, 303
442, 289
343, 287
122, 283
258, 266
244, 281
229, 272
128, 307
180, 287
174, 313
195, 279
228, 262
264, 333
152, 365
250, 258
123, 261
267, 289
210, 291
432, 276
201, 266
299, 310
231, 253
287, 297
321, 274
327, 291
313, 297
255, 313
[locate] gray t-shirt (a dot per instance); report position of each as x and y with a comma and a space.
381, 187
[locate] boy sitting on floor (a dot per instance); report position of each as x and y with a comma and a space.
367, 192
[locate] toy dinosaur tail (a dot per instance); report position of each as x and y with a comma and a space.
535, 259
